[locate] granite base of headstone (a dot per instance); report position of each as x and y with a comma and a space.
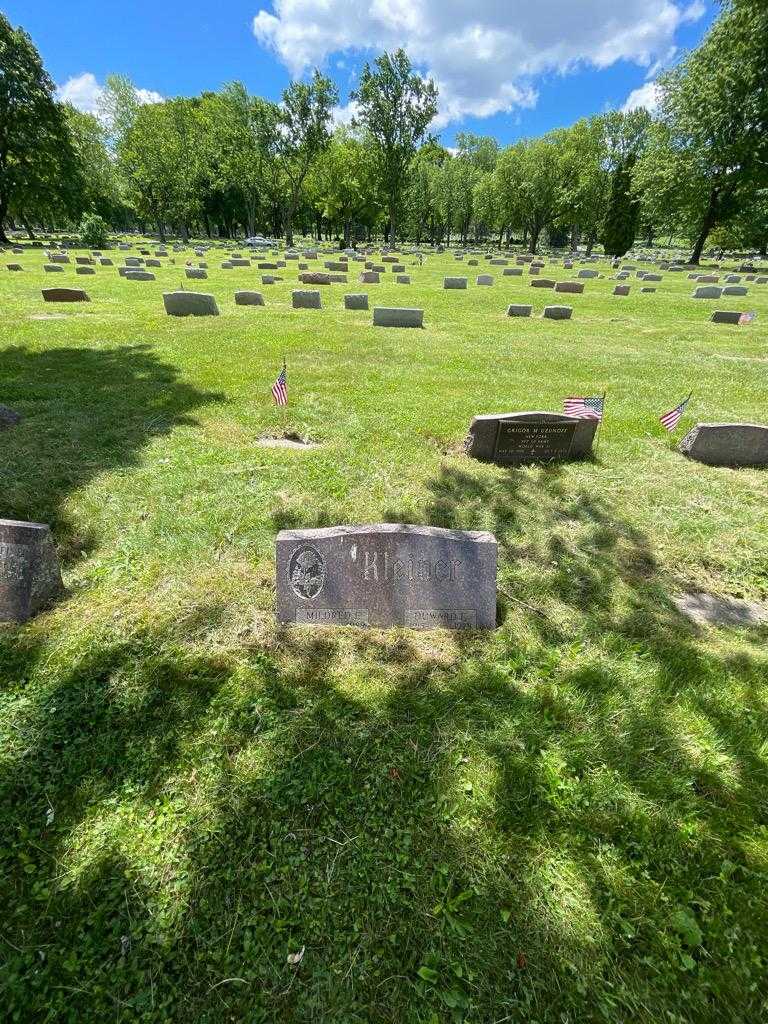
384, 575
30, 577
516, 439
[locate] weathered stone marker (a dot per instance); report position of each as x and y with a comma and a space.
249, 298
65, 295
305, 299
185, 303
8, 417
387, 574
727, 444
519, 438
519, 310
392, 316
29, 570
356, 301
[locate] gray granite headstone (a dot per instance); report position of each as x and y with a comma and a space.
196, 274
8, 417
29, 570
356, 301
390, 316
516, 439
727, 444
708, 292
455, 282
305, 299
65, 295
519, 310
185, 303
387, 574
557, 312
725, 316
249, 298
573, 287
543, 282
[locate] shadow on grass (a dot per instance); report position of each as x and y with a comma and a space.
560, 821
86, 411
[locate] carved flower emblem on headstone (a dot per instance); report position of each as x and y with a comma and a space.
306, 571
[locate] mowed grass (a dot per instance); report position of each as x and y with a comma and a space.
563, 820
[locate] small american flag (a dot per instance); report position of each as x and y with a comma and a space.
586, 408
670, 419
747, 318
280, 388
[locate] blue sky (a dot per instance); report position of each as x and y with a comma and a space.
505, 67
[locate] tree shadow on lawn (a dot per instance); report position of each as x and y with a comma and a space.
526, 815
85, 411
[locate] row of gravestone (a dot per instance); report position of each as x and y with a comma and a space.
384, 575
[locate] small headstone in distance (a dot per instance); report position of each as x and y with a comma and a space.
53, 268
648, 290
557, 312
455, 282
588, 273
305, 299
735, 289
572, 287
403, 279
14, 266
519, 310
621, 289
356, 301
369, 277
249, 298
196, 273
727, 444
708, 292
8, 417
139, 275
105, 261
725, 316
85, 270
184, 303
514, 439
65, 295
653, 277
484, 279
387, 574
30, 577
386, 316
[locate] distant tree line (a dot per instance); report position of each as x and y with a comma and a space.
229, 163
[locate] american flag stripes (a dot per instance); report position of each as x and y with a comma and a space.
747, 318
587, 408
669, 420
280, 388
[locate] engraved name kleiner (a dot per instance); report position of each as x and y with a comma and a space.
379, 567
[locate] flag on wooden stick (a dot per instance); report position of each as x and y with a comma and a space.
280, 388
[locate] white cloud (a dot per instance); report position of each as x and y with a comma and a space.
485, 55
647, 96
343, 115
84, 92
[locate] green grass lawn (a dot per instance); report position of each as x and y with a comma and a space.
564, 820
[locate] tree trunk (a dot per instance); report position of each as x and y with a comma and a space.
501, 234
574, 238
590, 243
207, 225
535, 232
392, 225
161, 230
28, 227
3, 210
708, 222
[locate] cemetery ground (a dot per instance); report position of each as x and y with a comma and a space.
560, 820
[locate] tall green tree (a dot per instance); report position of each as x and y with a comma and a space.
304, 133
708, 156
35, 150
623, 213
396, 106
